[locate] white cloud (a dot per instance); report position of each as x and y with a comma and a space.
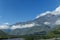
4, 26
22, 26
54, 12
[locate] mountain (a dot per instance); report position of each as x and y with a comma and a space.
50, 18
44, 22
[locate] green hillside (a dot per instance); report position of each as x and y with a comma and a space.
3, 34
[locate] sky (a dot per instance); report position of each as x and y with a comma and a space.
12, 11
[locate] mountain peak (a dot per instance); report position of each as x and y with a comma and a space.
58, 8
43, 14
54, 12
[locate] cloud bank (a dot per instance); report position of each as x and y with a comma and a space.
4, 26
22, 26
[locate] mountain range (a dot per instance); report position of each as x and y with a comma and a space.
42, 23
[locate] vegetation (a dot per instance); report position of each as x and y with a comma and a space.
51, 34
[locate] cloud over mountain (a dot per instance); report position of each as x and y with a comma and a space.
22, 26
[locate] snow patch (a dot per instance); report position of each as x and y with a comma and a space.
47, 23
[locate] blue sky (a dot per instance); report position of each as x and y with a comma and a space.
13, 11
